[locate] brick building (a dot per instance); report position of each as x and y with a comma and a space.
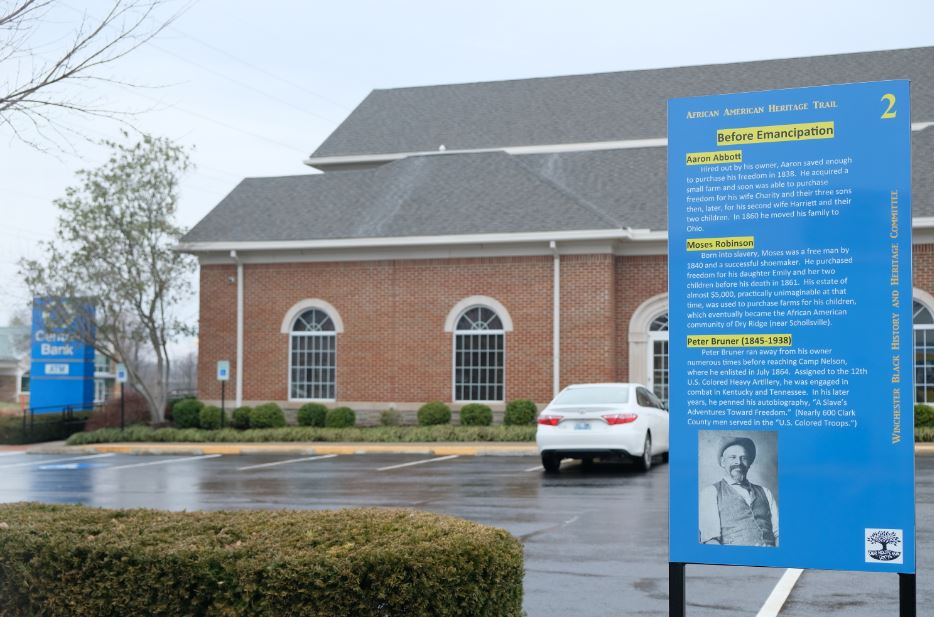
487, 241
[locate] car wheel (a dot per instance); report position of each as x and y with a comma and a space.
645, 463
551, 463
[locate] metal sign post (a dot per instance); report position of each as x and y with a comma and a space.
121, 379
223, 375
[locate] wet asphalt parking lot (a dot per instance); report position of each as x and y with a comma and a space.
595, 538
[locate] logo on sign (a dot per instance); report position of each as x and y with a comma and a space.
882, 545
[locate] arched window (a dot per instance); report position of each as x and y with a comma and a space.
658, 356
923, 322
479, 356
312, 356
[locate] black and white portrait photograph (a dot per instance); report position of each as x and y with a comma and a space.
738, 482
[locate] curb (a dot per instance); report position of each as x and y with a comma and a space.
299, 448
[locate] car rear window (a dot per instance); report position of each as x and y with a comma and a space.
597, 395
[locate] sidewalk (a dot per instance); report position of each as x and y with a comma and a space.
441, 448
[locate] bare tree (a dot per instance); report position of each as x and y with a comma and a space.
113, 259
45, 82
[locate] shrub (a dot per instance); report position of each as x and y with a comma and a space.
210, 418
187, 413
924, 415
381, 434
42, 427
312, 414
341, 417
434, 413
520, 412
170, 405
268, 415
240, 418
390, 417
476, 414
136, 411
371, 561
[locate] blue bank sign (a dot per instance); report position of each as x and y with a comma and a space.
791, 354
62, 373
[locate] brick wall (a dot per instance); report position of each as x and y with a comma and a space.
637, 280
217, 329
394, 348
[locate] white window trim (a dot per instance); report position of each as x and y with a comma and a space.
455, 333
311, 303
655, 335
639, 324
450, 322
292, 335
926, 299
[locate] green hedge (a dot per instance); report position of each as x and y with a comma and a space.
187, 413
434, 413
312, 414
240, 418
342, 417
924, 434
924, 415
380, 434
520, 412
83, 562
476, 414
42, 427
210, 417
267, 415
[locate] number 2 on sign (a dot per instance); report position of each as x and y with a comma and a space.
889, 111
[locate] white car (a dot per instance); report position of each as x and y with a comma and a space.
603, 420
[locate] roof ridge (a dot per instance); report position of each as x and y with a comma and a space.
644, 70
568, 193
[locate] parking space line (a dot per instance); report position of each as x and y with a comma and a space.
426, 460
291, 460
166, 462
536, 468
10, 453
57, 460
776, 600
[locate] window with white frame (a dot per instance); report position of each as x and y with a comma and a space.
313, 356
658, 356
923, 323
479, 356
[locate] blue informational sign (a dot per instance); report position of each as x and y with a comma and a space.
792, 439
62, 373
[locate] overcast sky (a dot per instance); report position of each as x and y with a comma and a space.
254, 92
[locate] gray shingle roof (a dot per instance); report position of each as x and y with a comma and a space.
460, 194
417, 196
599, 107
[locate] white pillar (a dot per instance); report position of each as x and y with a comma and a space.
239, 388
556, 322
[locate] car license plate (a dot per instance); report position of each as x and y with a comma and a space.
582, 426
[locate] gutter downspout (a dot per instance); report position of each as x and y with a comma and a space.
239, 385
555, 321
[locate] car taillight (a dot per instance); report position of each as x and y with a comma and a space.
620, 418
549, 420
